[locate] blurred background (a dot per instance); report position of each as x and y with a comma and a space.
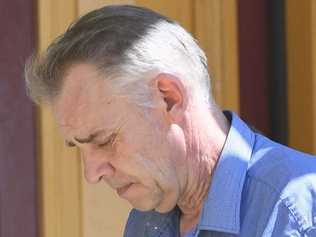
262, 58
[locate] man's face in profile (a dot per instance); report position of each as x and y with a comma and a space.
134, 154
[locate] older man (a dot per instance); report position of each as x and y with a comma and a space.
130, 89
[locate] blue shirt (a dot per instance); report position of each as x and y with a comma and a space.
259, 189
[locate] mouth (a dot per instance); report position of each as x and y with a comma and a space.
120, 191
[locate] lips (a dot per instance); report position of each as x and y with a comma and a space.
120, 191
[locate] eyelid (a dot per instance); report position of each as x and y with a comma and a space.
113, 137
111, 140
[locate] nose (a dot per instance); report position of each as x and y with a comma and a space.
97, 167
94, 173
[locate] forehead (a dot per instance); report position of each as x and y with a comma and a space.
86, 100
82, 81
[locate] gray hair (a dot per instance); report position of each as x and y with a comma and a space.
129, 45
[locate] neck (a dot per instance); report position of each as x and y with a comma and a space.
206, 141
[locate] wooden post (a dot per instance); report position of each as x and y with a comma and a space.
59, 167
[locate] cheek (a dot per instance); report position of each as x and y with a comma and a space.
151, 155
177, 144
132, 159
147, 167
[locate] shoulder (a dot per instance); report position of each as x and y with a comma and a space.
278, 166
282, 181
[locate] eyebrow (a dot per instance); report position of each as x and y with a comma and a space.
91, 137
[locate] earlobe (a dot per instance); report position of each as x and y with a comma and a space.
172, 92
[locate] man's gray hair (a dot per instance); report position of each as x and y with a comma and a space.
129, 45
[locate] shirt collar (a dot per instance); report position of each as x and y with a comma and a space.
221, 210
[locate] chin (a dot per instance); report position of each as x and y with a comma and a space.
144, 205
164, 209
149, 200
168, 203
161, 206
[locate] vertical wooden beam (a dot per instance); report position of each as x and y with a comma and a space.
253, 52
277, 76
215, 27
313, 107
301, 73
58, 167
181, 11
85, 6
18, 199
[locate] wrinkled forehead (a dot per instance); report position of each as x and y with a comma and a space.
85, 95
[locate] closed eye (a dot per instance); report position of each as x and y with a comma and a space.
110, 141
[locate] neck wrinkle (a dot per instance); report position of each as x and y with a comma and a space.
203, 166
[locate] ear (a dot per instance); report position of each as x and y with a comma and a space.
173, 94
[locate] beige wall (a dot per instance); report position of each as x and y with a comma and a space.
58, 168
301, 59
70, 207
